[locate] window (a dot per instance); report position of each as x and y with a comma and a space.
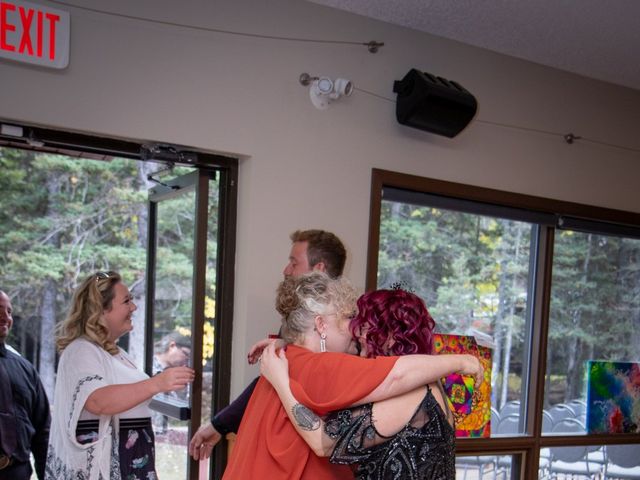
594, 317
548, 285
161, 216
473, 270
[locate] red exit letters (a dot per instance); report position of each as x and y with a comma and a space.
34, 33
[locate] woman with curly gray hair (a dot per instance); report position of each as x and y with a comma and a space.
410, 436
315, 320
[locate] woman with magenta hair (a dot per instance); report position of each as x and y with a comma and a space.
410, 436
316, 323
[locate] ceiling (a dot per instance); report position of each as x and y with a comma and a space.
594, 38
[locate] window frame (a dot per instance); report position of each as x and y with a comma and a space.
552, 215
83, 146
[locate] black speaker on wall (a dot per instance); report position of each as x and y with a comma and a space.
433, 104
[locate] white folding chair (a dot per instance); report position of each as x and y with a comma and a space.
579, 407
560, 412
477, 467
495, 418
545, 453
623, 462
508, 425
547, 422
571, 460
510, 408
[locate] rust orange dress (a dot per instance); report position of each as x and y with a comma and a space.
268, 446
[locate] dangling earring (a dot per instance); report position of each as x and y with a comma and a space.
323, 342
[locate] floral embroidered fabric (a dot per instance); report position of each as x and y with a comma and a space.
137, 453
423, 449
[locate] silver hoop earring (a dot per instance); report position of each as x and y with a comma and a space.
323, 342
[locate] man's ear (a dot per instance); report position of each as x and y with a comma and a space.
320, 267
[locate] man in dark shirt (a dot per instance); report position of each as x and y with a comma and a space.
172, 350
310, 250
24, 421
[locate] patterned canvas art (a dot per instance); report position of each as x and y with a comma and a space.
471, 407
613, 397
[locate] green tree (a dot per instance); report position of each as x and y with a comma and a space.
471, 270
594, 304
64, 218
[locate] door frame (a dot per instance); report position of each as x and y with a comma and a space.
74, 144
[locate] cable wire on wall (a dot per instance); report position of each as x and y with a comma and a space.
569, 138
372, 45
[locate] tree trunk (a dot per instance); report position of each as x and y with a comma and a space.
547, 387
634, 308
507, 304
506, 361
47, 333
574, 352
48, 304
138, 289
496, 361
503, 343
575, 373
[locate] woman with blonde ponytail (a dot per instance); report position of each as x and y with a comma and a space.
101, 424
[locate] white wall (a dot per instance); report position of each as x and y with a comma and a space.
305, 168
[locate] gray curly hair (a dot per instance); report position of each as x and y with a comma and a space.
300, 299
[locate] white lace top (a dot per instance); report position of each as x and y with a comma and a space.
83, 368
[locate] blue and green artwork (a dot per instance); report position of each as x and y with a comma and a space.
613, 397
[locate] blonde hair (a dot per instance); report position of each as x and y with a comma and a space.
300, 299
90, 300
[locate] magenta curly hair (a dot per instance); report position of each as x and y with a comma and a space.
396, 322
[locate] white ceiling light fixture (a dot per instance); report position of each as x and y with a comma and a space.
323, 90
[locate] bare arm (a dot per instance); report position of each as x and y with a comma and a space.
275, 368
390, 415
413, 371
118, 398
405, 380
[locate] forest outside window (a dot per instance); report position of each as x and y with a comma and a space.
554, 287
594, 317
78, 204
473, 271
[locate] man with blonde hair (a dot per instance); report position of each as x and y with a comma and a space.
310, 250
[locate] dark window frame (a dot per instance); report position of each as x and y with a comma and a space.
83, 146
594, 218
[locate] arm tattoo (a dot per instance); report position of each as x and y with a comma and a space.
305, 418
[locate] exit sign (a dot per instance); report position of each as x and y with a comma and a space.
35, 34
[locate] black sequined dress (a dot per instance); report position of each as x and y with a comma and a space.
423, 449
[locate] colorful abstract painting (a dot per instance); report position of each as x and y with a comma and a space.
613, 397
471, 407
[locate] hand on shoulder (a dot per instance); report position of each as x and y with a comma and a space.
274, 366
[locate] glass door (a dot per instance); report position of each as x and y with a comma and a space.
101, 214
180, 309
